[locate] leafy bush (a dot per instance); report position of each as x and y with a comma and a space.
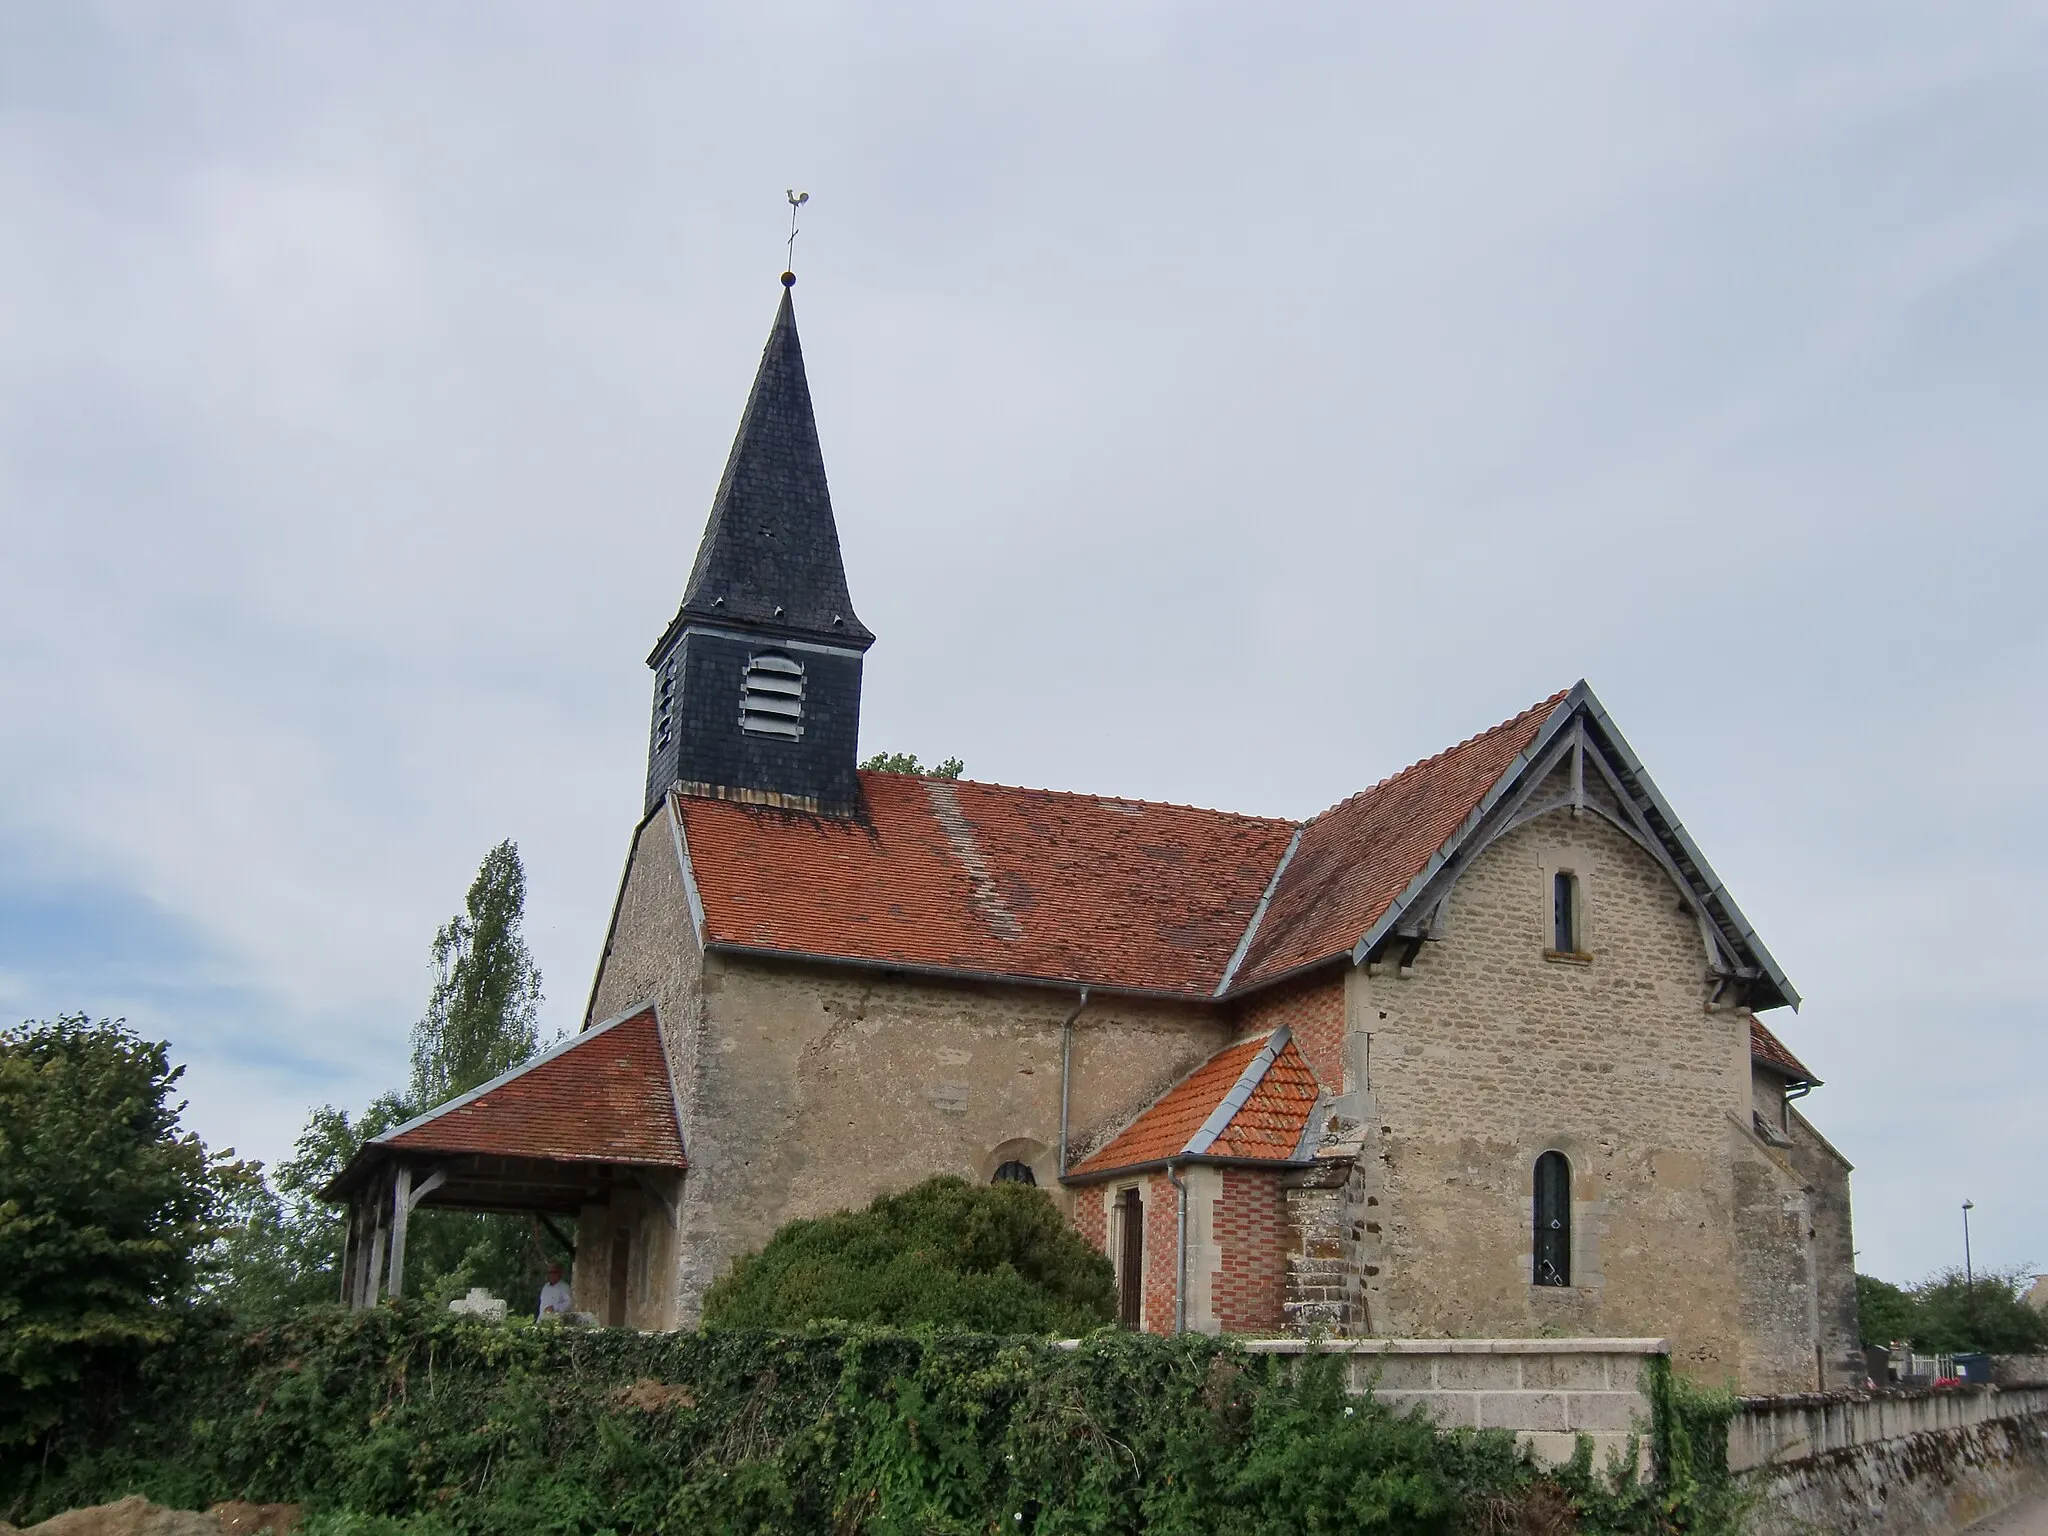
408, 1421
996, 1258
108, 1211
405, 1419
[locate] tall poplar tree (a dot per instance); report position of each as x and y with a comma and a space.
482, 1018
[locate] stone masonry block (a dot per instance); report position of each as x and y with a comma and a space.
1614, 1412
1549, 1448
1570, 1373
1523, 1410
1392, 1373
1478, 1373
1449, 1410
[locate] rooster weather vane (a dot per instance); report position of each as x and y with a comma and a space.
796, 201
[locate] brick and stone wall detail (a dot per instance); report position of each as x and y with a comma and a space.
1249, 1284
1313, 1008
1162, 1253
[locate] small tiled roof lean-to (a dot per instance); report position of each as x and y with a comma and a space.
1773, 1053
602, 1096
1251, 1102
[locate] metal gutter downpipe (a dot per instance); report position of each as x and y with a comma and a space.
1180, 1271
1066, 1071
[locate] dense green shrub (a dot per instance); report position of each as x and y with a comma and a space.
996, 1258
405, 1421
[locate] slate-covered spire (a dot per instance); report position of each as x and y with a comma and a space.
757, 678
770, 556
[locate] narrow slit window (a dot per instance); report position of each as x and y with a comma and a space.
1014, 1172
1553, 1255
1564, 912
772, 696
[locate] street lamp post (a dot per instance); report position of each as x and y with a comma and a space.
1969, 1275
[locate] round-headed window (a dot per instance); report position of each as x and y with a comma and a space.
1014, 1172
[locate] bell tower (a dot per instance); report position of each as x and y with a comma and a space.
757, 677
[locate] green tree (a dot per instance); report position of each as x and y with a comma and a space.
482, 1017
481, 1020
997, 1258
1987, 1313
906, 762
1885, 1312
109, 1211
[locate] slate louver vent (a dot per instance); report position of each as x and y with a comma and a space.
772, 696
665, 706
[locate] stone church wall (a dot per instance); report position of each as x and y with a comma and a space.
817, 1088
1488, 1054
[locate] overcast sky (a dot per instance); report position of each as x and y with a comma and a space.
1223, 404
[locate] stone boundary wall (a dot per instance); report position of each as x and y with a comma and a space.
2019, 1370
1548, 1391
1919, 1463
1772, 1430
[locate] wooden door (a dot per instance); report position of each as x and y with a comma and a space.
1130, 1269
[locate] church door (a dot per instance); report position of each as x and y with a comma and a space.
1130, 1269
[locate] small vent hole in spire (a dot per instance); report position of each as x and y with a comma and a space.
772, 696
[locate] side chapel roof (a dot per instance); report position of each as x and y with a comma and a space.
1250, 1102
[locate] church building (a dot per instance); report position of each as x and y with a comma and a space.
1478, 1052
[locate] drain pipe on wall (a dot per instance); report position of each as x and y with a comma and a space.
1066, 1071
1180, 1271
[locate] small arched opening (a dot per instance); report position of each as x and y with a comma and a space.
1552, 1263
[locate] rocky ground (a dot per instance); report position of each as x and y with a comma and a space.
136, 1516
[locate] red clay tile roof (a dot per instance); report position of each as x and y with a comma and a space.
1771, 1051
603, 1096
1356, 857
986, 878
1278, 1090
1081, 889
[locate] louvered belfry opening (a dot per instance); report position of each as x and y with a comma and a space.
1130, 1269
1553, 1252
772, 696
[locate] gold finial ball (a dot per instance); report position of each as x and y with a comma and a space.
789, 279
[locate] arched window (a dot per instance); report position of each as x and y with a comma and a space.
1553, 1253
1014, 1172
772, 696
1564, 912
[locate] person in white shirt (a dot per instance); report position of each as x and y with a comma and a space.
556, 1300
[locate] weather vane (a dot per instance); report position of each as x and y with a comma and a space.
796, 200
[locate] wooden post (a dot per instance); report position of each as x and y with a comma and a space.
348, 1256
401, 1211
377, 1248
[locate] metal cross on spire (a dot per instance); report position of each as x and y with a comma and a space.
796, 200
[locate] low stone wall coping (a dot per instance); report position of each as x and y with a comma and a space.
1459, 1346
